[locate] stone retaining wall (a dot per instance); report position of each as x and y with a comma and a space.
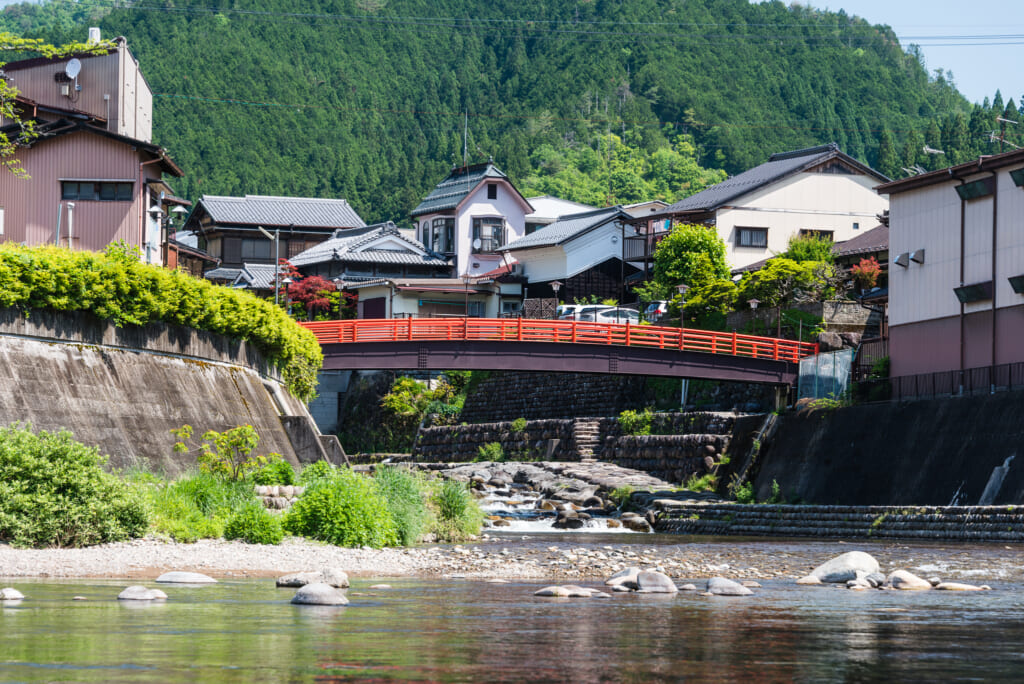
966, 523
538, 396
673, 458
542, 439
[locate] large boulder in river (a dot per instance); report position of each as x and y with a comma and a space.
319, 594
846, 567
654, 582
624, 578
10, 594
138, 592
720, 586
177, 577
902, 579
332, 576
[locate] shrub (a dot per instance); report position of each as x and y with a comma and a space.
197, 505
744, 493
458, 515
318, 470
404, 493
621, 495
636, 423
276, 471
255, 525
707, 482
54, 492
491, 451
518, 425
116, 286
345, 510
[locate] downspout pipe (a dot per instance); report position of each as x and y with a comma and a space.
995, 284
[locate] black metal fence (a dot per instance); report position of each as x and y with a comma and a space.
973, 381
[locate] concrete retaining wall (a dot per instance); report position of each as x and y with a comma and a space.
124, 389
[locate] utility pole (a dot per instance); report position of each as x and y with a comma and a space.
1002, 132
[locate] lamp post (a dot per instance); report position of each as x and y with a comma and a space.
276, 237
465, 281
556, 285
685, 383
286, 281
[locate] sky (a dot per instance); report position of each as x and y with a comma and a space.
980, 41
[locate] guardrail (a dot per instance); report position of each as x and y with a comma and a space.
576, 332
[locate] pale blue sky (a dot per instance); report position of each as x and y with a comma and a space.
980, 41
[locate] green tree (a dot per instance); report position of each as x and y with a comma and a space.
691, 254
809, 248
888, 161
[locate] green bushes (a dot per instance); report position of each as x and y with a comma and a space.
458, 515
197, 505
54, 492
255, 525
345, 509
116, 286
519, 425
276, 471
491, 451
318, 470
404, 493
636, 422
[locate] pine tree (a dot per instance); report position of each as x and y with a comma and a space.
888, 161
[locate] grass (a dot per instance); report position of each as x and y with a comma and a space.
457, 515
405, 495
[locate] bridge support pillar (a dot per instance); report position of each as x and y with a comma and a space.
781, 395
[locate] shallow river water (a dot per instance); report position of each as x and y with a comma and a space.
475, 631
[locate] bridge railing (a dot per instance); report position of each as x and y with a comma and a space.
536, 330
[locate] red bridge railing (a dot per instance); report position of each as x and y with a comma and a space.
579, 332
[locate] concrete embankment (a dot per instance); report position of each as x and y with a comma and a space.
124, 389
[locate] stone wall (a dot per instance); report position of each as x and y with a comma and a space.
536, 396
673, 458
550, 440
123, 389
840, 316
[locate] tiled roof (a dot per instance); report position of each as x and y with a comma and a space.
256, 277
566, 228
273, 212
355, 245
454, 188
776, 168
874, 240
222, 273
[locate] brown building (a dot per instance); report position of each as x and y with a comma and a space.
956, 275
94, 175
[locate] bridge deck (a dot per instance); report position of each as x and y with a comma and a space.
556, 346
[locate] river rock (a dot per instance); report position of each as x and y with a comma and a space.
621, 588
176, 577
902, 579
319, 594
10, 594
654, 582
332, 576
934, 581
626, 578
859, 583
809, 579
720, 586
846, 567
876, 579
138, 592
958, 586
688, 587
553, 591
632, 521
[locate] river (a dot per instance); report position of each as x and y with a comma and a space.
465, 630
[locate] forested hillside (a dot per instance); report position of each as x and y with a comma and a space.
596, 100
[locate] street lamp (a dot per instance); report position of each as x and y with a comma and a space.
276, 237
465, 281
556, 285
286, 281
682, 288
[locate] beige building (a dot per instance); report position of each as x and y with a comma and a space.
956, 275
94, 175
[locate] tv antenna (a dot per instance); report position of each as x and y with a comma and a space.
1002, 133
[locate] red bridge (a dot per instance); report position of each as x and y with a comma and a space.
556, 346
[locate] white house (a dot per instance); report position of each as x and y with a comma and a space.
435, 297
583, 252
956, 271
470, 216
547, 209
816, 191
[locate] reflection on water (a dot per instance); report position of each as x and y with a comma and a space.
246, 631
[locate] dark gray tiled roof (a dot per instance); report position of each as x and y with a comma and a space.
566, 228
354, 245
777, 167
271, 212
222, 273
256, 277
868, 242
454, 188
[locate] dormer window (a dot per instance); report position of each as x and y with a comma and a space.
492, 191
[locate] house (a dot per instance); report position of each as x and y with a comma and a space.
435, 297
581, 252
235, 229
547, 209
183, 254
956, 275
94, 174
470, 216
374, 252
815, 191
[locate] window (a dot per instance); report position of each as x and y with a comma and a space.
256, 249
752, 237
297, 247
821, 234
212, 247
856, 226
101, 191
491, 234
492, 191
442, 239
533, 227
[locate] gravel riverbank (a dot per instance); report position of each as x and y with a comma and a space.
578, 557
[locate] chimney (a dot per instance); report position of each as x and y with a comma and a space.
94, 34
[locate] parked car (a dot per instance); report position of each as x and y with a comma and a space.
568, 312
588, 312
618, 314
655, 311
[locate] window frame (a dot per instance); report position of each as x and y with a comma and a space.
442, 235
751, 230
491, 243
492, 191
119, 190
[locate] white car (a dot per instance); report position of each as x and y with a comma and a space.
618, 314
655, 311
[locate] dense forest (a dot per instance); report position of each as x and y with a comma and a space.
600, 101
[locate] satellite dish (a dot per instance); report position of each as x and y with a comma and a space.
477, 243
73, 68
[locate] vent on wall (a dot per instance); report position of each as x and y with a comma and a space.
976, 292
902, 260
